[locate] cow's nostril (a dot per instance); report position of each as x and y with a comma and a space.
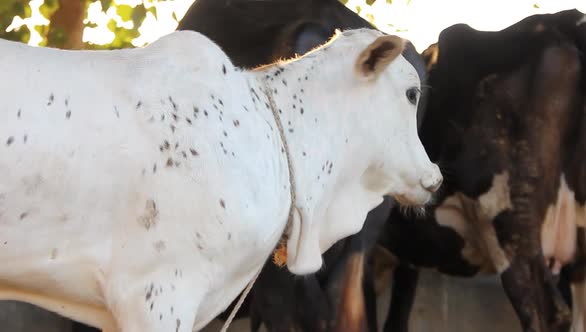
432, 184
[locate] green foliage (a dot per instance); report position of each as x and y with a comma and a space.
153, 10
15, 7
123, 36
21, 34
48, 8
56, 36
124, 11
135, 14
138, 15
106, 4
8, 10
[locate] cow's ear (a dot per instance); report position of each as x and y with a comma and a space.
430, 56
378, 55
309, 35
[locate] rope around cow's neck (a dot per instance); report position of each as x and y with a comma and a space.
292, 189
239, 303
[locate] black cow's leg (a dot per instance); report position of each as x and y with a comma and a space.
312, 308
564, 285
535, 297
370, 298
561, 317
405, 281
575, 273
517, 283
255, 321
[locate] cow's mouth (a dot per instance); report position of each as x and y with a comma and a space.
419, 199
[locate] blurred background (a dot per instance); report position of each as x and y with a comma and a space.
111, 24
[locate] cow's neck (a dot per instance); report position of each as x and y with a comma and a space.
329, 150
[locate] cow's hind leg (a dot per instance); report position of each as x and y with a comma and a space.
534, 296
561, 316
157, 304
578, 306
576, 276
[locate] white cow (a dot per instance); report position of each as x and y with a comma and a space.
142, 189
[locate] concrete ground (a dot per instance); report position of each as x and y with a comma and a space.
443, 304
22, 317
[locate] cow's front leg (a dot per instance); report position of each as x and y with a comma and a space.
403, 291
369, 292
156, 302
534, 296
351, 315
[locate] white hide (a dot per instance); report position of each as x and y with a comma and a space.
472, 220
451, 214
559, 243
558, 232
142, 189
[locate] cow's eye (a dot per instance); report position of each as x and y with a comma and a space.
412, 95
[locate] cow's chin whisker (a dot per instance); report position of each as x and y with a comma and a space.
413, 211
404, 201
409, 209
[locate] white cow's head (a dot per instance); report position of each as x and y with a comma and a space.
382, 91
403, 169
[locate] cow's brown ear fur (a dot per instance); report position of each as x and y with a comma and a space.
378, 55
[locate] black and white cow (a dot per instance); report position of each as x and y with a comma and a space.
506, 122
152, 205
